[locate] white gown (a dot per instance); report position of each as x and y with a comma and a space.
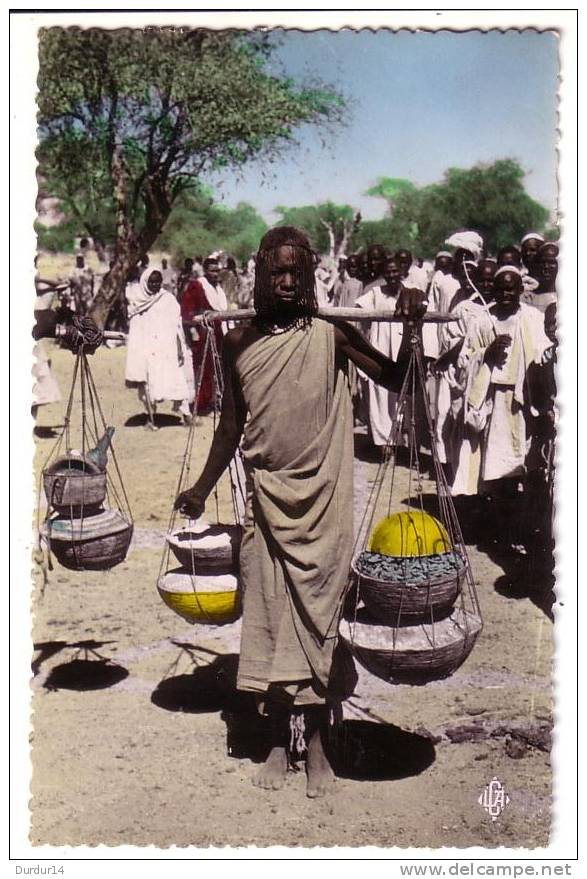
155, 347
498, 396
387, 338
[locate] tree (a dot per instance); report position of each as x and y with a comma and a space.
491, 199
130, 119
390, 188
329, 226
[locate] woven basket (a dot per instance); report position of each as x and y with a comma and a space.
211, 599
94, 543
74, 486
203, 548
413, 654
396, 601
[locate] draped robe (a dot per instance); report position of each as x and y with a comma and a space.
298, 537
199, 296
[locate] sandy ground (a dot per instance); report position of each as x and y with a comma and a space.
139, 738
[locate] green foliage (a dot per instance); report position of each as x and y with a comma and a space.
489, 199
390, 188
58, 238
373, 232
197, 226
311, 219
175, 101
130, 119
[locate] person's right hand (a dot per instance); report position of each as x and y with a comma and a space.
189, 504
497, 352
411, 304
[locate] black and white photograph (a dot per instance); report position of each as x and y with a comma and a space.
291, 559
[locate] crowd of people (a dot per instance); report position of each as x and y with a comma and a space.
490, 368
490, 376
489, 385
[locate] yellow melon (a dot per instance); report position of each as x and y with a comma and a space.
412, 533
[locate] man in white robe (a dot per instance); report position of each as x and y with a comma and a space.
545, 268
413, 277
347, 287
457, 443
499, 397
156, 349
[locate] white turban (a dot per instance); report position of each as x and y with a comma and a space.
504, 269
467, 240
529, 235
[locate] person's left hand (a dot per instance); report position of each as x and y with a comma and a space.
411, 304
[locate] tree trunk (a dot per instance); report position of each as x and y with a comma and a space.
331, 239
130, 246
129, 251
99, 248
349, 229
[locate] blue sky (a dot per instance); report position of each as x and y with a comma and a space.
418, 104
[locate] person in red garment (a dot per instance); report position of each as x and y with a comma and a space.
200, 295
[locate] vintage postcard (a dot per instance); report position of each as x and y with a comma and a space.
304, 369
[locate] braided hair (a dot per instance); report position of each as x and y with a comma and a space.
263, 300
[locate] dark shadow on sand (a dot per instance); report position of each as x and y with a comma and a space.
367, 751
161, 419
46, 431
87, 670
85, 674
207, 689
364, 450
522, 582
360, 750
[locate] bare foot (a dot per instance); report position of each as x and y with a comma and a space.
321, 778
272, 774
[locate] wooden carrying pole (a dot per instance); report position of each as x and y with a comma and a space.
326, 312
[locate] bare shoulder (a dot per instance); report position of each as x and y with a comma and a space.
239, 338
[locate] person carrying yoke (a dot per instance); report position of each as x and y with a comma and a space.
286, 396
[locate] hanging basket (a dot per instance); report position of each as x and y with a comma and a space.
212, 599
74, 485
94, 543
88, 524
413, 654
415, 589
203, 548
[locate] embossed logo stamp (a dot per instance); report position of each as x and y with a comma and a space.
494, 798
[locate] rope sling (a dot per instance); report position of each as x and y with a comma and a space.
88, 523
204, 589
443, 634
414, 616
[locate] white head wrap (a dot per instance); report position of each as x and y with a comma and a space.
467, 240
443, 253
514, 269
529, 235
142, 298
